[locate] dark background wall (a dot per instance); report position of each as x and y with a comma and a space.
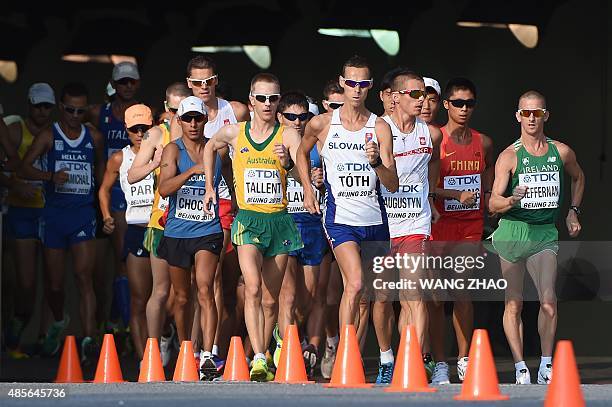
571, 66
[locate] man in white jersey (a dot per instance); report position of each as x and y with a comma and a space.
410, 210
354, 165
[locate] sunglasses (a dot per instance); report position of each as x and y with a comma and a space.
188, 118
292, 116
139, 128
126, 81
413, 93
535, 112
44, 105
261, 98
470, 103
74, 110
201, 82
334, 105
172, 110
364, 83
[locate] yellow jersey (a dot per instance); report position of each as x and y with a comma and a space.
260, 181
159, 204
37, 200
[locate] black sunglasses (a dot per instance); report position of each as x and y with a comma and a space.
74, 110
335, 105
172, 110
188, 118
44, 105
126, 81
292, 116
139, 128
459, 103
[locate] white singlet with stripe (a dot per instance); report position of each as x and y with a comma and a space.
408, 209
139, 196
225, 115
353, 189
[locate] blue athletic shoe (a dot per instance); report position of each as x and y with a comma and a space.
385, 373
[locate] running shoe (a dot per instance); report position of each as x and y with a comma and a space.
52, 344
545, 374
385, 373
208, 370
13, 333
219, 363
430, 365
440, 374
279, 345
329, 358
165, 346
89, 351
462, 365
310, 359
260, 371
523, 376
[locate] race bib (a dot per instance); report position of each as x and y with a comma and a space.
141, 193
406, 203
79, 177
462, 183
356, 180
543, 189
190, 204
262, 186
162, 204
295, 196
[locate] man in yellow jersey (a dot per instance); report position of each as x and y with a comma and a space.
263, 231
148, 160
25, 199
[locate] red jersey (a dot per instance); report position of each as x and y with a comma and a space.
461, 168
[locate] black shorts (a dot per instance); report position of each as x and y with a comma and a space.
133, 242
181, 252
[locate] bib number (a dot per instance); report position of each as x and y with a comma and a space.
190, 204
462, 183
543, 190
406, 203
262, 186
79, 177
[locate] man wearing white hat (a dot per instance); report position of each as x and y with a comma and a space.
431, 104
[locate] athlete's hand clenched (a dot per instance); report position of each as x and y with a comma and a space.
282, 153
311, 204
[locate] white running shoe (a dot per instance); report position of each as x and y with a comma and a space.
440, 374
462, 365
523, 376
327, 363
545, 374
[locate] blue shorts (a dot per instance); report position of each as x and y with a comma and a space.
23, 223
64, 227
376, 237
133, 242
315, 244
118, 203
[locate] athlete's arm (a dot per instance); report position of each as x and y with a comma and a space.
93, 115
104, 193
504, 168
223, 138
302, 158
240, 111
148, 157
175, 128
291, 143
489, 171
41, 144
568, 156
433, 168
169, 182
99, 161
226, 169
385, 172
9, 148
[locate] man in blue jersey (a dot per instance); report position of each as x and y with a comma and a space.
71, 155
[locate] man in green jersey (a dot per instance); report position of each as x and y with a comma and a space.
527, 194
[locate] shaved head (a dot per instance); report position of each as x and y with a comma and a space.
532, 94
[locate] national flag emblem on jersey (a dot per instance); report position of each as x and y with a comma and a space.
226, 121
107, 119
552, 159
59, 145
422, 140
477, 153
368, 137
244, 150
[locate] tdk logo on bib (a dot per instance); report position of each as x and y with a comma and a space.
543, 177
263, 173
467, 180
353, 167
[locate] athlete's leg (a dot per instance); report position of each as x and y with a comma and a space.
542, 268
218, 289
121, 287
139, 277
206, 265
437, 328
196, 328
316, 318
26, 263
54, 281
334, 296
82, 253
272, 279
251, 261
181, 284
156, 306
349, 260
514, 274
287, 297
229, 323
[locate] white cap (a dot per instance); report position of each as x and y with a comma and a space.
192, 104
432, 83
125, 69
41, 93
313, 108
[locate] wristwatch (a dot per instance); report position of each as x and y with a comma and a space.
576, 209
378, 163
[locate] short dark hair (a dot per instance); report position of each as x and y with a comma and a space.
356, 61
459, 83
389, 77
201, 62
401, 75
332, 86
292, 98
264, 77
178, 89
74, 89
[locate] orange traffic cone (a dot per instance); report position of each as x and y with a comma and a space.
236, 368
481, 377
108, 370
186, 369
564, 388
348, 368
409, 374
69, 368
291, 368
151, 369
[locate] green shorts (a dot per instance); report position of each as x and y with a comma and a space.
515, 240
151, 240
272, 233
